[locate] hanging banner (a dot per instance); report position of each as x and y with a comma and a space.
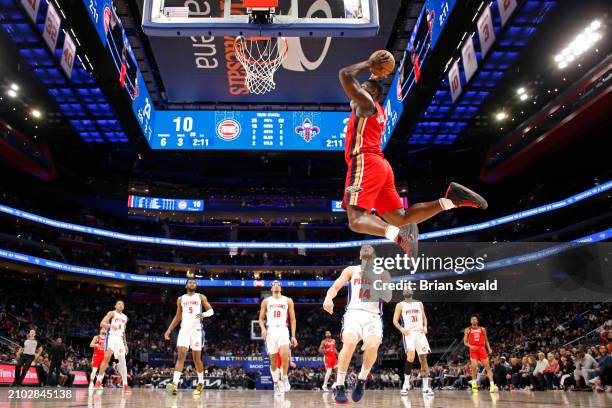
31, 7
68, 54
468, 56
506, 8
455, 81
486, 34
52, 26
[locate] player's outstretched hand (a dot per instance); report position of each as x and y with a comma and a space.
167, 336
294, 342
328, 306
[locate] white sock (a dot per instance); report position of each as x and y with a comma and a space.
122, 366
341, 378
426, 383
363, 374
275, 374
92, 377
391, 232
446, 204
327, 375
176, 377
100, 377
406, 382
201, 377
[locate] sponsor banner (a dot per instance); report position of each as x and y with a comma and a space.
486, 34
258, 363
52, 27
7, 375
31, 7
68, 55
454, 81
80, 378
468, 57
506, 8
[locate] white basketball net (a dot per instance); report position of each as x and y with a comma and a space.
260, 57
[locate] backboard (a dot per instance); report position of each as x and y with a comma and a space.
292, 18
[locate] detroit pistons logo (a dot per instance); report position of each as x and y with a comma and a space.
307, 130
182, 205
228, 130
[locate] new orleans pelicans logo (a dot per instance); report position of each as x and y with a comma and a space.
307, 130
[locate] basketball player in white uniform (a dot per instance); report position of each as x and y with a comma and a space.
409, 318
362, 322
189, 312
115, 322
275, 312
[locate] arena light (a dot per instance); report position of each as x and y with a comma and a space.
36, 113
14, 87
579, 45
520, 91
12, 93
499, 116
524, 97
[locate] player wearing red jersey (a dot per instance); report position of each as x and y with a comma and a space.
370, 183
475, 338
328, 349
98, 343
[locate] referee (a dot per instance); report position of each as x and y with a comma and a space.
25, 356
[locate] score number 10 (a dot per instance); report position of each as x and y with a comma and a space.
185, 125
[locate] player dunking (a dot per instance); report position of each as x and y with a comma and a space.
370, 182
275, 312
328, 349
409, 318
98, 343
189, 312
115, 322
475, 338
362, 322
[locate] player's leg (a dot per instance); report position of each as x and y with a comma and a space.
474, 369
285, 356
425, 374
370, 351
95, 365
181, 350
107, 357
487, 366
349, 343
196, 344
409, 347
122, 367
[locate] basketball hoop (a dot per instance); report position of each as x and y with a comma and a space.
260, 57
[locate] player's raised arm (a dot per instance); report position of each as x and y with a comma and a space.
424, 319
262, 318
396, 319
332, 292
105, 323
175, 320
208, 310
354, 90
292, 321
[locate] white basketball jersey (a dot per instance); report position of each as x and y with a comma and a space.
191, 305
117, 323
412, 315
359, 298
276, 311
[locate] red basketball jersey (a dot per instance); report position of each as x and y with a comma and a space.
364, 135
100, 345
476, 336
330, 346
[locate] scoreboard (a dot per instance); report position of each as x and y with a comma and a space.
249, 130
165, 204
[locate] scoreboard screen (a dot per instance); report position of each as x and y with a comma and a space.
249, 130
165, 204
336, 206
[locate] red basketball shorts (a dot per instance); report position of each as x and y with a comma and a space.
479, 354
97, 359
370, 184
331, 360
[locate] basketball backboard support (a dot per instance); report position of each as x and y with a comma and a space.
292, 18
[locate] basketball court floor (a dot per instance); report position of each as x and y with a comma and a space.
313, 399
